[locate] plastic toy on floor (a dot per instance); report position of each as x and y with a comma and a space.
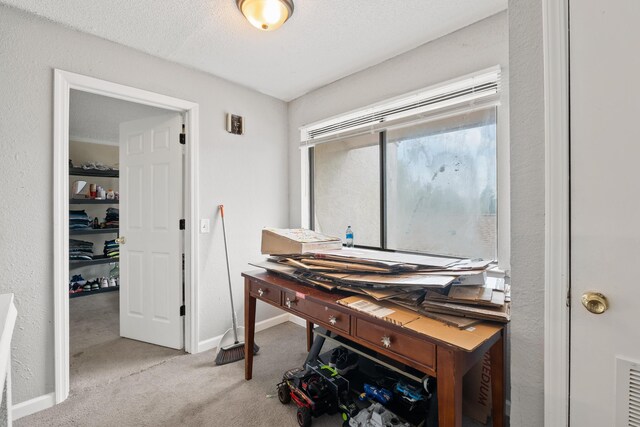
379, 394
316, 390
376, 415
408, 392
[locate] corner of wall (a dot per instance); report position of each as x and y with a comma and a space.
527, 129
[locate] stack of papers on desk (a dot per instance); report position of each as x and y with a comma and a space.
382, 310
488, 301
455, 291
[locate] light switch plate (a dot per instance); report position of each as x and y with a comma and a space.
204, 225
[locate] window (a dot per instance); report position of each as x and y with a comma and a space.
441, 187
347, 188
424, 182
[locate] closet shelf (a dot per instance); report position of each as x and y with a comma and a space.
94, 201
100, 259
93, 231
94, 172
97, 291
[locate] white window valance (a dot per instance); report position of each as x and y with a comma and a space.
471, 92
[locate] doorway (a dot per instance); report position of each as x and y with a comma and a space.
592, 356
123, 166
142, 144
605, 233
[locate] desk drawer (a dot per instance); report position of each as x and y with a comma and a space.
407, 346
318, 313
265, 292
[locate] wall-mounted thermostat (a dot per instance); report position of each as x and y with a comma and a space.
235, 124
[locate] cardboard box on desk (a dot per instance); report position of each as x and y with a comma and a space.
289, 241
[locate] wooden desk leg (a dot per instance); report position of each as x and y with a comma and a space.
309, 335
497, 382
449, 389
249, 329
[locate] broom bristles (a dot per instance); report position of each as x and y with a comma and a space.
233, 353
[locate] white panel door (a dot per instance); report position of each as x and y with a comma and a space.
151, 206
605, 203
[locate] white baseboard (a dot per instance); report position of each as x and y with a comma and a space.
269, 323
297, 320
32, 406
210, 343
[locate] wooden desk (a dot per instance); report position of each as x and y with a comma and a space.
433, 357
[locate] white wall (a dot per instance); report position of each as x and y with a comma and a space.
527, 212
247, 173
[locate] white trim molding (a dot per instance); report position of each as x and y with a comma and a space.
64, 81
297, 320
211, 343
557, 204
34, 405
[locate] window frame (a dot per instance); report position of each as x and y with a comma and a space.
308, 155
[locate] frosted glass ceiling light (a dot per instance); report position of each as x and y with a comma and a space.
266, 15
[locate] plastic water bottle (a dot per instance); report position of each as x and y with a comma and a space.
349, 236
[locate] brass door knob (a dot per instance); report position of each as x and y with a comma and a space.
121, 240
595, 302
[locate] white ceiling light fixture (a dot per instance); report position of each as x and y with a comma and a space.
266, 15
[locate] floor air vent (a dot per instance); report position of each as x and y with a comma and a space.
627, 393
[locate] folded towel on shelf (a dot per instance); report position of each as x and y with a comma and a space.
80, 250
112, 218
75, 243
78, 219
111, 248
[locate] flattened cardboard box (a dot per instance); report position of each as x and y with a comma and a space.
467, 339
386, 311
288, 241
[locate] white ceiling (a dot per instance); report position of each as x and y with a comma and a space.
97, 118
323, 41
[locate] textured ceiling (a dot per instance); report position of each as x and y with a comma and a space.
323, 41
97, 118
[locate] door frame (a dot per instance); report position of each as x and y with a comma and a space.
64, 81
555, 19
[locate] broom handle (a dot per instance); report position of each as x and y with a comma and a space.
226, 254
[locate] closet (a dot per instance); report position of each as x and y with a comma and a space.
93, 219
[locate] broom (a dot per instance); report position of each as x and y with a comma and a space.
231, 349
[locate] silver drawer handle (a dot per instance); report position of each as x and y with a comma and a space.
289, 302
260, 292
386, 341
333, 320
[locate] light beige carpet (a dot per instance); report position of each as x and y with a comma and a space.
120, 382
98, 354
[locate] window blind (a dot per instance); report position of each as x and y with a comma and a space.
478, 90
